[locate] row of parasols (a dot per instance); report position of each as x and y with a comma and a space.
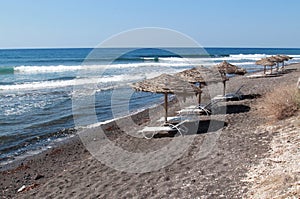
272, 61
189, 82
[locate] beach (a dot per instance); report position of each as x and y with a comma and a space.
243, 142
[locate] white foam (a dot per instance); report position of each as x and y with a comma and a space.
164, 62
295, 56
66, 83
20, 109
149, 58
212, 60
174, 59
248, 56
243, 63
63, 68
46, 69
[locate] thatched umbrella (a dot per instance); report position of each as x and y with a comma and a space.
166, 84
276, 59
265, 62
191, 75
227, 68
285, 58
200, 75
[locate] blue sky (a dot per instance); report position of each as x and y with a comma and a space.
86, 23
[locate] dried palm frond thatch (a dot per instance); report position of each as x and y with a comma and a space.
166, 84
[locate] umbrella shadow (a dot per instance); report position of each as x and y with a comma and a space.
231, 109
289, 70
197, 127
207, 126
244, 97
250, 96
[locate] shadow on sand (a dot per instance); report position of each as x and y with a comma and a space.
199, 127
251, 96
231, 109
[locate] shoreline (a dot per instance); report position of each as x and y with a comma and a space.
57, 164
16, 147
69, 132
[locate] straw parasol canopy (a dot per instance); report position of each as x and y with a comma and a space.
227, 68
166, 84
276, 59
284, 58
265, 62
200, 75
193, 75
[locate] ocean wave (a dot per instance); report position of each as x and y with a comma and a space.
295, 56
64, 68
74, 68
175, 59
6, 70
148, 62
212, 60
243, 63
19, 109
248, 56
46, 69
87, 82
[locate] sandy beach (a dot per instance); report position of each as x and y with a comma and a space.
244, 142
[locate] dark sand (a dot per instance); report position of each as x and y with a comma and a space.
69, 171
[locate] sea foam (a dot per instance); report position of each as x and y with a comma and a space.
100, 82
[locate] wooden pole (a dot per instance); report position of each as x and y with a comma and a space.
199, 95
271, 69
224, 84
166, 107
199, 98
264, 69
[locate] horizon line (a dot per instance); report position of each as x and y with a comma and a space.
86, 47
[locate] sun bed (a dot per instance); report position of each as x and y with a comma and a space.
172, 120
170, 127
237, 95
200, 110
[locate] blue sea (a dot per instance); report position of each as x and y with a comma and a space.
36, 86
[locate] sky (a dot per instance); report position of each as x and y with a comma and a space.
86, 23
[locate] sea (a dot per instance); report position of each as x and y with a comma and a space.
37, 86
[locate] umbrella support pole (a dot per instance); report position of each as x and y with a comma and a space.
166, 107
199, 95
224, 84
271, 69
199, 98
